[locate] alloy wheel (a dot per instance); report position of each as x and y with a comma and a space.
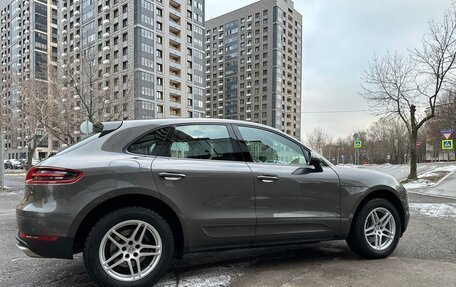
130, 250
380, 228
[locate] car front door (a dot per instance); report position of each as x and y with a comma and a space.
293, 200
202, 174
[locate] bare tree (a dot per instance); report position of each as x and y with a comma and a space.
82, 92
407, 87
32, 110
98, 95
387, 137
319, 140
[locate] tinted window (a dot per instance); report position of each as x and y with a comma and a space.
201, 142
269, 147
150, 143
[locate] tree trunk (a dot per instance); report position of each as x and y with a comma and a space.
30, 152
413, 139
413, 156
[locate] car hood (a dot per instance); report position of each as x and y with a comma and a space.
352, 176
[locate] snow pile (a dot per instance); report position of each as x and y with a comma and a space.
430, 177
419, 183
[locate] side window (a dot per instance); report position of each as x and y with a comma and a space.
150, 143
269, 147
202, 142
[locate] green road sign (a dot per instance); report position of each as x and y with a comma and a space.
447, 144
357, 143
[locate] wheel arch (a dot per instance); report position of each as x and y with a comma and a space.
387, 195
140, 200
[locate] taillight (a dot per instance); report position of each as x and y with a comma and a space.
38, 237
52, 175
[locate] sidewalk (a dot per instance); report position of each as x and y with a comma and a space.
447, 188
393, 271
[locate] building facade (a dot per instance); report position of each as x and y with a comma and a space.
28, 48
253, 65
146, 56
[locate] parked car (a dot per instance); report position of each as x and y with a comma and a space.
138, 193
15, 164
7, 164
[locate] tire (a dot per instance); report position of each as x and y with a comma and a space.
102, 244
361, 239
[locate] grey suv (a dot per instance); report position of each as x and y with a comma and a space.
138, 193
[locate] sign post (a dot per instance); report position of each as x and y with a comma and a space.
447, 133
447, 144
2, 165
86, 127
357, 144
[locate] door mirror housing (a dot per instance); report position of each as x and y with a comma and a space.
316, 163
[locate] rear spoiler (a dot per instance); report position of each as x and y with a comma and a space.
106, 127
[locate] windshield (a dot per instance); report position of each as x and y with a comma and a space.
79, 144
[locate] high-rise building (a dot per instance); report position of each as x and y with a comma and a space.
146, 56
253, 65
28, 48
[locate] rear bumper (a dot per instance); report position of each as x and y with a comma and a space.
60, 248
27, 251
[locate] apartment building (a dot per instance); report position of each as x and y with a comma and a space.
148, 56
28, 48
253, 65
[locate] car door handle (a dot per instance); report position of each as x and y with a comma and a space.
171, 175
267, 178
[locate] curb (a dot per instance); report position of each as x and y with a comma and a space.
431, 195
435, 184
417, 190
443, 178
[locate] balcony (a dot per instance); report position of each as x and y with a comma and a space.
175, 74
175, 87
175, 33
175, 98
174, 112
175, 19
175, 5
174, 45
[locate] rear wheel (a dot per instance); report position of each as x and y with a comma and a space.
129, 247
376, 230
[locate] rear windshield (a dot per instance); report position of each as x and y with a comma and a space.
79, 144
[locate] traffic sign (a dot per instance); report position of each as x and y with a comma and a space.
357, 143
86, 127
418, 144
447, 133
447, 144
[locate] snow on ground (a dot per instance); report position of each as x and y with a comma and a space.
436, 210
419, 183
448, 168
218, 276
430, 177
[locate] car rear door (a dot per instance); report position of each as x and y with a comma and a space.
201, 173
293, 200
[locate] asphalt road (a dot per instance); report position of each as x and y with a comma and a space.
426, 256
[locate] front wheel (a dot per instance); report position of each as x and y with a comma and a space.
376, 230
129, 247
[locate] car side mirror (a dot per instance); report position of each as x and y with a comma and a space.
316, 163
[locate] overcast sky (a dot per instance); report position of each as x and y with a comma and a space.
339, 39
